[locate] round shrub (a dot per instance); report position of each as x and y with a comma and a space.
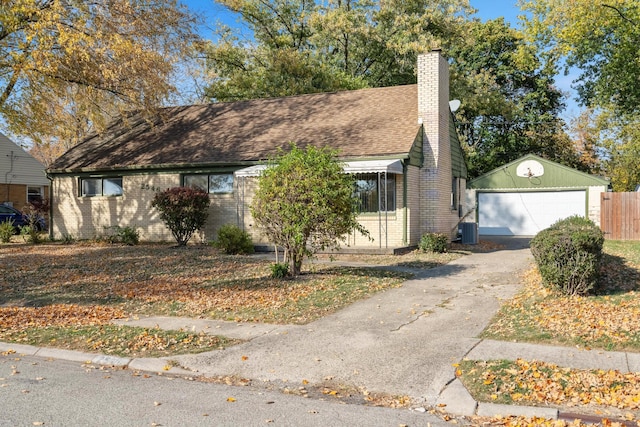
279, 270
434, 242
568, 254
184, 210
233, 240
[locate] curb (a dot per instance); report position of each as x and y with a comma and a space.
163, 365
456, 400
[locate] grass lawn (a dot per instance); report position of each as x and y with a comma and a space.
67, 295
609, 320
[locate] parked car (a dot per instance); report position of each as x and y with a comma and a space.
20, 219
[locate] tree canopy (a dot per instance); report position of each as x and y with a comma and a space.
299, 46
510, 104
67, 67
601, 40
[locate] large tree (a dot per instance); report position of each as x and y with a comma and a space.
68, 66
510, 105
299, 46
305, 203
601, 40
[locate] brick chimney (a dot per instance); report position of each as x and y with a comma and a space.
433, 113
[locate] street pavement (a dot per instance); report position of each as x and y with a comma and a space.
401, 342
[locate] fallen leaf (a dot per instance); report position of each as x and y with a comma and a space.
231, 399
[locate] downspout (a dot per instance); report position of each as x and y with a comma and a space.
50, 178
6, 175
405, 171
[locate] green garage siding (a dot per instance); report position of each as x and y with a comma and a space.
529, 194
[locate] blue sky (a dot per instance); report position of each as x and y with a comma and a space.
490, 9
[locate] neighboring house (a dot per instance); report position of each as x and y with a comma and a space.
399, 141
22, 177
531, 193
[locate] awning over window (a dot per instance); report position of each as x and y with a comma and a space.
250, 171
364, 166
374, 166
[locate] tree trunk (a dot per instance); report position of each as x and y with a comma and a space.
295, 264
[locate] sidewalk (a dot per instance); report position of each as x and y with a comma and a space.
402, 342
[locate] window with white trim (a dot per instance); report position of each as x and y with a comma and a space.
91, 187
217, 183
368, 185
35, 194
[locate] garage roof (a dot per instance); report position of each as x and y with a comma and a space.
533, 172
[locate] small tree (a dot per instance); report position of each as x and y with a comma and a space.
305, 203
184, 210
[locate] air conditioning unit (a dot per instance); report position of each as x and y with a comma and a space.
469, 233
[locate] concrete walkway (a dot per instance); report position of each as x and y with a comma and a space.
403, 341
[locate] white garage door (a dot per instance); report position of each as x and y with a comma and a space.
525, 214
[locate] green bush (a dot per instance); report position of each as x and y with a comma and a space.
279, 270
31, 234
125, 235
568, 254
6, 231
434, 242
67, 239
233, 240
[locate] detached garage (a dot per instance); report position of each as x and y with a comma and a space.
531, 193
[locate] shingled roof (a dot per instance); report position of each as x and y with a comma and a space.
379, 122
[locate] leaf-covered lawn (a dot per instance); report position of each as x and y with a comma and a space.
609, 321
602, 393
52, 288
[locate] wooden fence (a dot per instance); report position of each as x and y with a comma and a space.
620, 215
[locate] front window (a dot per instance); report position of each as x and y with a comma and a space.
90, 187
368, 187
219, 183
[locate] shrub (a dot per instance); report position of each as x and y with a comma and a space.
434, 242
184, 210
279, 270
67, 239
126, 235
31, 234
233, 240
6, 231
568, 255
305, 203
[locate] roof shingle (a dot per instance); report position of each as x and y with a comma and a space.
361, 123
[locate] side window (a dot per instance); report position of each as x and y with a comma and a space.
220, 183
455, 197
196, 181
90, 187
35, 194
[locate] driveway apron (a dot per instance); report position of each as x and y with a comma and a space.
403, 341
